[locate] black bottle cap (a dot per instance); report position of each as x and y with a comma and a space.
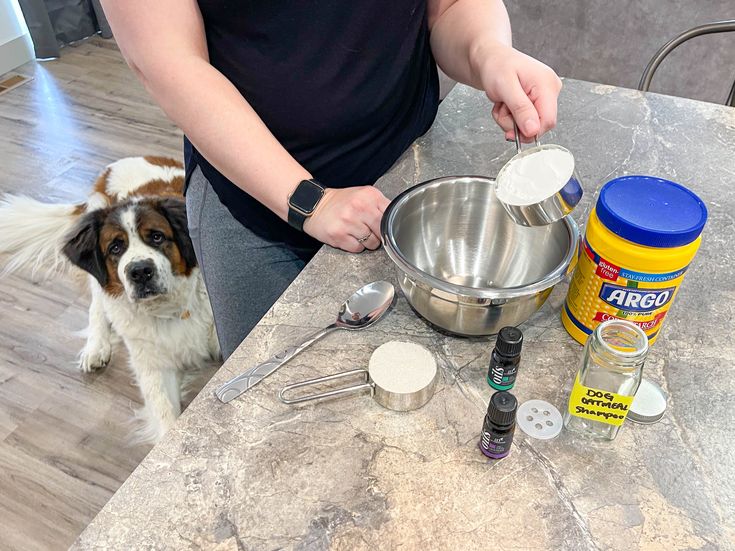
510, 341
502, 408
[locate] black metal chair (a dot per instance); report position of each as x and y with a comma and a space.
666, 49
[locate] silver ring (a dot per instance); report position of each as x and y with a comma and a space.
362, 240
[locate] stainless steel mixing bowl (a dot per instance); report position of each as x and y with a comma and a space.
463, 264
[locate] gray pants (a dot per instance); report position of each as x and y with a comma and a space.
244, 273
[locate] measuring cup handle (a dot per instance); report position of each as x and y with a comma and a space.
517, 136
335, 392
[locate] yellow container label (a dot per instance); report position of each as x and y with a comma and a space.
598, 405
601, 290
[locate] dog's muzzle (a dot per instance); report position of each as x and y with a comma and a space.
142, 275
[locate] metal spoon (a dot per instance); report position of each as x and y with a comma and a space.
361, 310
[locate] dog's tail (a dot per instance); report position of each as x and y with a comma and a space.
32, 234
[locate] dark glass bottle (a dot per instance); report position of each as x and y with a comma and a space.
501, 375
499, 425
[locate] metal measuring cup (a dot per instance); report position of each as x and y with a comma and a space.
550, 209
416, 388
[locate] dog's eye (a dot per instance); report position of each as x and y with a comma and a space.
157, 237
115, 248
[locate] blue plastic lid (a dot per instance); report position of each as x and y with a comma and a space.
651, 211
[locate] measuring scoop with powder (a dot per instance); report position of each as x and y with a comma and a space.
538, 186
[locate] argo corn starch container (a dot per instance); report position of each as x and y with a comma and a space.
640, 239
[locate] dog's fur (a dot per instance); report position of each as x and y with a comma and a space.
131, 237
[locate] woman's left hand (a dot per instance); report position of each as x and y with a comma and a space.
522, 88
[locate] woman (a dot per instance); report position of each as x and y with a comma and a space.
292, 110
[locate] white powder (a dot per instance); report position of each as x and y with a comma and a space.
534, 177
402, 367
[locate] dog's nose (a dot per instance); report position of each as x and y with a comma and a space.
141, 271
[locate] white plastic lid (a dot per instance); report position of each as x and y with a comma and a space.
539, 419
649, 403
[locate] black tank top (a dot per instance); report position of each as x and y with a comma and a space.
345, 85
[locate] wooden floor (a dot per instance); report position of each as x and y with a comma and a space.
63, 435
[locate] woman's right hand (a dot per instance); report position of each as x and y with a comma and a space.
346, 216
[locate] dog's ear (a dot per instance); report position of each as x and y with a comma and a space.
82, 246
175, 212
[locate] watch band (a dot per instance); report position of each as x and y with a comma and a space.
296, 219
300, 205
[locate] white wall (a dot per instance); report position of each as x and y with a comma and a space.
16, 47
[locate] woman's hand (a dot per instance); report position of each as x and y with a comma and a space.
348, 218
471, 42
522, 88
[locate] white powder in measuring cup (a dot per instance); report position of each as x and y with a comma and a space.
534, 177
402, 367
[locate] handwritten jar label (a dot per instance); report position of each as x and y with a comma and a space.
598, 405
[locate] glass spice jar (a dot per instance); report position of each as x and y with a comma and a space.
608, 379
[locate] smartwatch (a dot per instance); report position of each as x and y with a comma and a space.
303, 201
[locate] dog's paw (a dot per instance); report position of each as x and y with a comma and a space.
151, 428
95, 355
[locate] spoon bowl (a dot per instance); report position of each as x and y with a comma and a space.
366, 306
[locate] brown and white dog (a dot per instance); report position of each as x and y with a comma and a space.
131, 237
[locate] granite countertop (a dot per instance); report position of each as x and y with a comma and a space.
348, 474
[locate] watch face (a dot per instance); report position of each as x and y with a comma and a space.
306, 196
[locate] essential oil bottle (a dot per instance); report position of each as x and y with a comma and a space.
499, 425
501, 375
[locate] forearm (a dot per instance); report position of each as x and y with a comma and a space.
200, 100
464, 34
226, 130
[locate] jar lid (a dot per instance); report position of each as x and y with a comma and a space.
539, 419
649, 403
651, 211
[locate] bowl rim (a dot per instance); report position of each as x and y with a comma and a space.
399, 259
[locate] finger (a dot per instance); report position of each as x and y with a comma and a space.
545, 101
373, 222
372, 243
363, 234
367, 238
362, 226
521, 107
373, 226
351, 245
383, 203
379, 200
511, 137
504, 118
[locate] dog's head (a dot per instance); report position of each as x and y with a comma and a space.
137, 248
